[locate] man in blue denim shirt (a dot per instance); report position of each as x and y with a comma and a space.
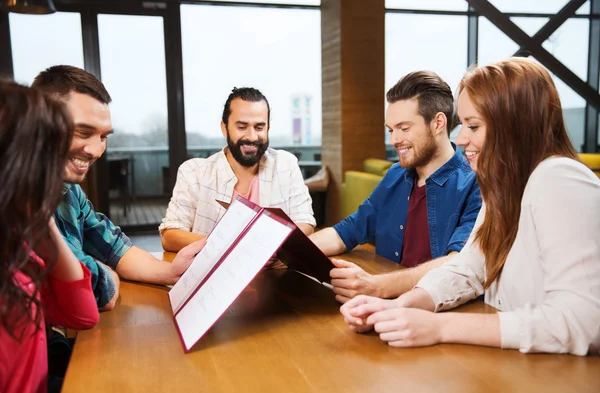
423, 210
92, 237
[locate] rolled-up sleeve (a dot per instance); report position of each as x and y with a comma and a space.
182, 206
461, 278
300, 202
360, 226
103, 240
467, 220
565, 208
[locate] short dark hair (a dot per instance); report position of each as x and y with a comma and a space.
431, 92
247, 94
59, 81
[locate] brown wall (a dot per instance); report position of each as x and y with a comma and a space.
353, 73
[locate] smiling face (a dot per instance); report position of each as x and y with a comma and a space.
247, 131
412, 138
92, 126
472, 131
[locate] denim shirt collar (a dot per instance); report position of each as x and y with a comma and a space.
440, 176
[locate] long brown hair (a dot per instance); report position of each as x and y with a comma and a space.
519, 105
35, 136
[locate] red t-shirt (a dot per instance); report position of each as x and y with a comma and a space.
416, 248
24, 364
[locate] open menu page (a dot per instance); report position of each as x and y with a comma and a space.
230, 278
227, 230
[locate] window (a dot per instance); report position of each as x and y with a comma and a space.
446, 5
290, 2
34, 50
275, 50
132, 60
534, 6
569, 44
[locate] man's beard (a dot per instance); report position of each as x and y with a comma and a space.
247, 160
426, 153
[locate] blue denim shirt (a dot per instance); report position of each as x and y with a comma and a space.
93, 238
453, 202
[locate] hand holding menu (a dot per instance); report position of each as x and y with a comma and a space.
235, 251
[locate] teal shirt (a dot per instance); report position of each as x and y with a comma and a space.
93, 238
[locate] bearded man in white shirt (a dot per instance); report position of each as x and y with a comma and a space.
245, 167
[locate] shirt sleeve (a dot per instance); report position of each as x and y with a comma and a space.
102, 239
359, 227
182, 206
460, 279
101, 279
467, 220
565, 207
70, 304
300, 202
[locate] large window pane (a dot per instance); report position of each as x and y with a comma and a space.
568, 44
290, 2
531, 6
494, 45
132, 60
41, 41
446, 5
275, 50
441, 46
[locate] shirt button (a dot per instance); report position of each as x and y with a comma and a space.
401, 227
396, 253
408, 199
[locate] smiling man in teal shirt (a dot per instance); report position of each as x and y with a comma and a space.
425, 206
105, 250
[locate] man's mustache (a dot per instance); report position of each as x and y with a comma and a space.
248, 143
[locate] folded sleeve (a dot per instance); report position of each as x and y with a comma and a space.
300, 202
70, 303
565, 209
467, 220
461, 278
102, 239
360, 226
182, 206
101, 278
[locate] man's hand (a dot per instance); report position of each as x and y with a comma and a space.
185, 257
406, 327
349, 280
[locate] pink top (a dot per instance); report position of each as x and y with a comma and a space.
253, 194
24, 363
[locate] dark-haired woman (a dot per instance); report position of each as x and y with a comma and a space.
41, 281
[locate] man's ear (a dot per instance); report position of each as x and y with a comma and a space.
439, 124
224, 129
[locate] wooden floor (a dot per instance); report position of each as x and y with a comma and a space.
140, 213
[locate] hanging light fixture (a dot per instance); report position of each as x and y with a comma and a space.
30, 6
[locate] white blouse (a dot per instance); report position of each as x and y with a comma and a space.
548, 292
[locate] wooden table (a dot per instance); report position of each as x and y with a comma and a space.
285, 334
